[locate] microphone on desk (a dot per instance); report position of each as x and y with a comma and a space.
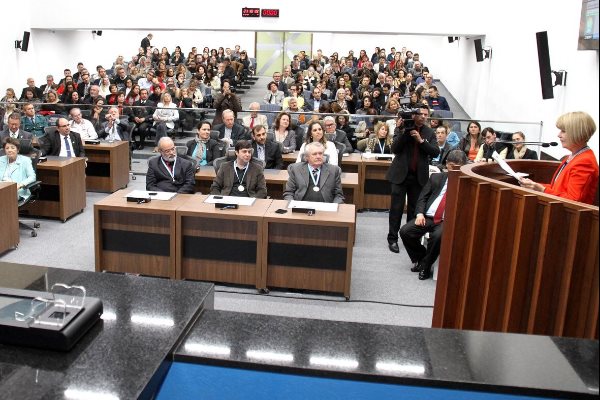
543, 144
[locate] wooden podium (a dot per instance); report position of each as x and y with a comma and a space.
516, 260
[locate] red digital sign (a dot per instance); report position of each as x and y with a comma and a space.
250, 12
270, 12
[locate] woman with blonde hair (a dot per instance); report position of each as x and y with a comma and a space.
577, 176
380, 142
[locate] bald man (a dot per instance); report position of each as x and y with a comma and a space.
63, 142
254, 119
168, 172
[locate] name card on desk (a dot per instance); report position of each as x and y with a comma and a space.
377, 156
315, 205
144, 194
240, 201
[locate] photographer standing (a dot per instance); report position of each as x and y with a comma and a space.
413, 144
226, 100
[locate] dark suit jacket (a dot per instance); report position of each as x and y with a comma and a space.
214, 149
22, 134
430, 192
51, 144
81, 89
330, 183
403, 146
122, 130
255, 180
309, 105
238, 132
145, 43
273, 158
38, 93
159, 179
45, 85
444, 153
341, 137
144, 112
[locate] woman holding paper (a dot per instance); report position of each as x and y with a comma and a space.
577, 177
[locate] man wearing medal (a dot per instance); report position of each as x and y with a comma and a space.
312, 180
242, 177
169, 173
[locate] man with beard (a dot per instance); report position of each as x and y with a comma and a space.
169, 173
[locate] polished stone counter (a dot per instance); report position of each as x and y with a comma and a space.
469, 360
124, 356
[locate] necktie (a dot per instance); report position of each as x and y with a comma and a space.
169, 165
67, 146
251, 122
439, 213
261, 153
271, 98
315, 173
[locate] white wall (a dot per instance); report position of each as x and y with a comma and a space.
505, 88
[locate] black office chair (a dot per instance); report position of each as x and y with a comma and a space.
218, 161
34, 187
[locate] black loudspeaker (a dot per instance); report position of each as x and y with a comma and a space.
478, 50
545, 68
99, 33
450, 39
25, 42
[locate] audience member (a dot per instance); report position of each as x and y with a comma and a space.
15, 167
13, 129
265, 150
82, 126
335, 135
315, 133
33, 122
490, 146
255, 119
226, 100
204, 149
169, 173
283, 132
63, 142
413, 145
380, 142
437, 102
242, 177
230, 131
441, 135
164, 118
274, 95
31, 84
312, 179
472, 141
519, 150
430, 209
115, 128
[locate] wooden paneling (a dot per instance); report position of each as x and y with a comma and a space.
515, 260
374, 172
9, 225
114, 157
66, 178
306, 278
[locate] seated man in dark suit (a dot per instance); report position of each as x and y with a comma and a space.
230, 130
63, 142
114, 128
265, 150
441, 134
142, 117
336, 135
316, 100
312, 180
13, 128
169, 173
430, 216
242, 177
203, 148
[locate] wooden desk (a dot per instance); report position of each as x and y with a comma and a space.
107, 166
376, 188
62, 194
9, 215
220, 245
136, 238
289, 158
305, 252
204, 179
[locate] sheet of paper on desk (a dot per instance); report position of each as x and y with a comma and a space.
380, 156
507, 168
158, 196
240, 201
318, 206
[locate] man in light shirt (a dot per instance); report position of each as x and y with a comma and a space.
81, 125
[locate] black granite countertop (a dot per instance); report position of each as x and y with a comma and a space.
123, 356
469, 360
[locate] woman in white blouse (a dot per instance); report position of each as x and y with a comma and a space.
316, 133
164, 118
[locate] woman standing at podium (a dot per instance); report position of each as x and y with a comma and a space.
577, 177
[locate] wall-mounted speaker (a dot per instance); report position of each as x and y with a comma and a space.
25, 42
99, 33
450, 39
545, 68
478, 50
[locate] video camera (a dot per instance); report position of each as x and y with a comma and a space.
407, 116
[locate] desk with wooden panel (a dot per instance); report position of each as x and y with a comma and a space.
220, 245
136, 238
107, 166
376, 189
276, 180
308, 252
9, 228
62, 194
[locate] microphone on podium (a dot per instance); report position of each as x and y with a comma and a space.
543, 144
